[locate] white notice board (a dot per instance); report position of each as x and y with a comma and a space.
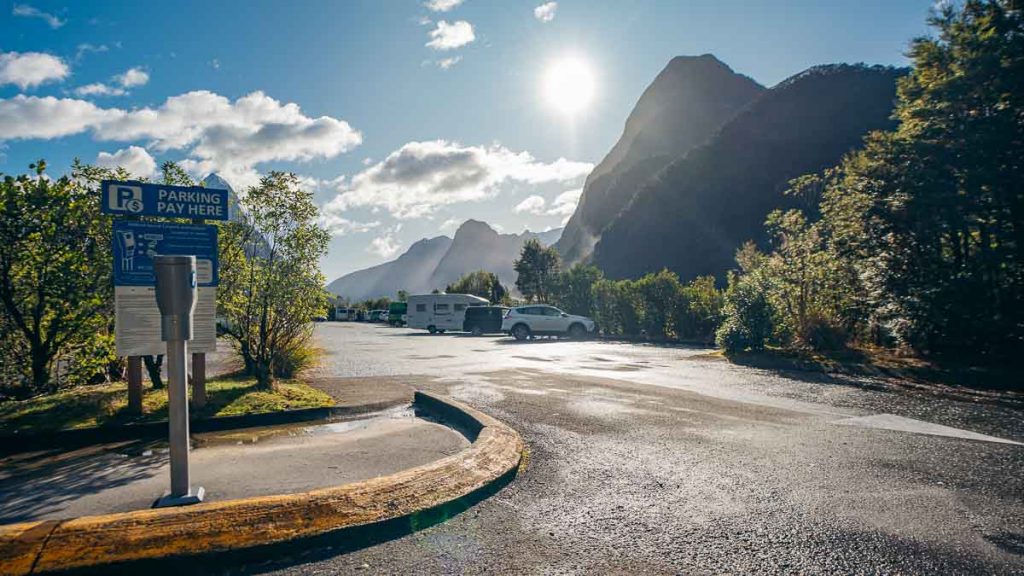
137, 321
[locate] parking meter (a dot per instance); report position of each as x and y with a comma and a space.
176, 299
175, 295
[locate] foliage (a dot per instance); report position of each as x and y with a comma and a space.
617, 307
270, 277
537, 269
374, 304
574, 289
106, 404
699, 311
55, 286
748, 316
480, 283
661, 296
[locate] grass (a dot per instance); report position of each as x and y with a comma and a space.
106, 404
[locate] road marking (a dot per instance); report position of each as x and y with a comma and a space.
901, 424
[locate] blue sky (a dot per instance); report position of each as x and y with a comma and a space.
402, 125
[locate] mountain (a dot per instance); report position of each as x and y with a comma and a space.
685, 105
411, 271
693, 215
433, 263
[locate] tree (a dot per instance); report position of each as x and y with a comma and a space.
662, 296
403, 296
931, 215
574, 289
270, 277
480, 283
54, 270
537, 269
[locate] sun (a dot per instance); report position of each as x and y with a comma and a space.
569, 85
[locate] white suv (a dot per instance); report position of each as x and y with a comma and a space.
541, 319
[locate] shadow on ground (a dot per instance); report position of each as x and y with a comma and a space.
47, 480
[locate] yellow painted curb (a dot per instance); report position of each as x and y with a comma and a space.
35, 547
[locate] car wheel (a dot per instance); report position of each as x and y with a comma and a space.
477, 331
432, 329
520, 332
577, 332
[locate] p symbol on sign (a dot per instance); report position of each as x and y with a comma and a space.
125, 198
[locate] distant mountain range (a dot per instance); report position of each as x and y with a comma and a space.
433, 263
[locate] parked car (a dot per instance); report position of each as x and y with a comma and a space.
378, 316
543, 320
344, 314
437, 313
397, 312
483, 319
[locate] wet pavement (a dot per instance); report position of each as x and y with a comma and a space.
650, 459
125, 476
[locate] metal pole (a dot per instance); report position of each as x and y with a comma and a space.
177, 408
176, 298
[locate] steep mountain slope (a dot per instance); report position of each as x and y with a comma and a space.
436, 262
411, 271
685, 105
693, 215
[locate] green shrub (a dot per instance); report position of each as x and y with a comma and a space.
749, 318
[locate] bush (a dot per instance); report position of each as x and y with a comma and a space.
749, 318
700, 310
662, 297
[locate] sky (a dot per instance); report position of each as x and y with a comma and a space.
404, 118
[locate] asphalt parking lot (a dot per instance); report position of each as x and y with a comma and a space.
648, 459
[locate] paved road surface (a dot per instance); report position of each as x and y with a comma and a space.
647, 459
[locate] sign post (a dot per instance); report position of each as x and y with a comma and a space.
176, 298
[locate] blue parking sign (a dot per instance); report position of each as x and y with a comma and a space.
136, 243
130, 198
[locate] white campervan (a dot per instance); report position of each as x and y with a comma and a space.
440, 312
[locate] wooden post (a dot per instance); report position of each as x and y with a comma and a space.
198, 380
198, 366
135, 385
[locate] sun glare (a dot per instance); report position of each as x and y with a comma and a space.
569, 86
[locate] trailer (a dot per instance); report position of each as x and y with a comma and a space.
438, 313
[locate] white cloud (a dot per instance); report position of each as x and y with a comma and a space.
545, 12
216, 133
134, 159
29, 69
99, 89
450, 225
215, 64
87, 48
33, 12
531, 205
23, 117
441, 5
449, 36
385, 246
132, 77
339, 226
446, 63
565, 203
121, 82
420, 177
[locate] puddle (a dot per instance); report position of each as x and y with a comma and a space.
266, 433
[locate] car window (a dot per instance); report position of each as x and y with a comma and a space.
549, 311
460, 307
440, 307
521, 310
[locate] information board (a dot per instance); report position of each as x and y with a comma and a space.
136, 243
136, 315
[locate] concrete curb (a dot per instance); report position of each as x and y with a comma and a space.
91, 541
